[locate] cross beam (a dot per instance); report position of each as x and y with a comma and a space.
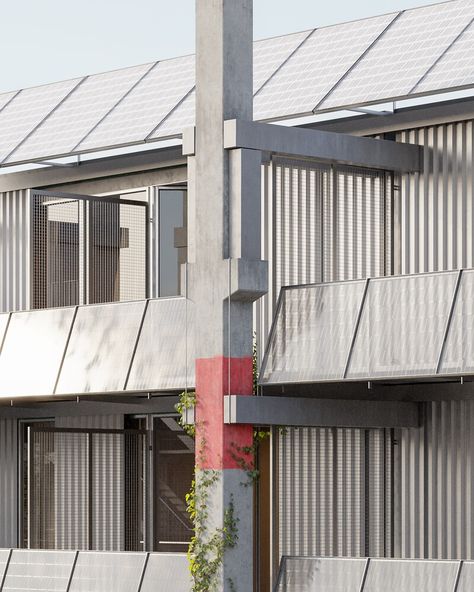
319, 145
300, 411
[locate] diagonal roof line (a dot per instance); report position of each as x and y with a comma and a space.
124, 96
359, 59
14, 96
38, 125
285, 61
436, 62
178, 104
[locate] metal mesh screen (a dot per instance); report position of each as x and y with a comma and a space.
87, 250
77, 479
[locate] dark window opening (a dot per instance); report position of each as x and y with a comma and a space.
172, 240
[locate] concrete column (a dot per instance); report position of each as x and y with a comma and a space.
225, 274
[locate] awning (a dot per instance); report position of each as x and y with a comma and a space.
390, 328
131, 346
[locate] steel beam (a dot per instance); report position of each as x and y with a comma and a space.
323, 146
299, 411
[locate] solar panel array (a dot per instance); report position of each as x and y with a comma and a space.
375, 60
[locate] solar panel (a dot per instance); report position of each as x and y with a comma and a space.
73, 119
384, 58
20, 117
269, 55
316, 67
5, 98
455, 68
396, 63
146, 105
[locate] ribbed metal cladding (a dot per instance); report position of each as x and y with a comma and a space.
14, 250
435, 216
334, 492
8, 482
322, 223
435, 484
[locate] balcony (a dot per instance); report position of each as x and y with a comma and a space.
406, 328
140, 346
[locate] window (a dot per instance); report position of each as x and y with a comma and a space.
106, 489
172, 240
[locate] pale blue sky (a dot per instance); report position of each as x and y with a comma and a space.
47, 40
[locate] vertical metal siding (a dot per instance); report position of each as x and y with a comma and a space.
434, 480
321, 223
436, 484
8, 483
436, 214
14, 250
334, 495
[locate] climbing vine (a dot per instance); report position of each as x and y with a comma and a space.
208, 545
186, 402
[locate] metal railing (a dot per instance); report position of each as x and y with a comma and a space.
401, 327
306, 574
75, 571
139, 346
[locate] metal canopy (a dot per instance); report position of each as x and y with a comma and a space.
390, 328
416, 52
139, 346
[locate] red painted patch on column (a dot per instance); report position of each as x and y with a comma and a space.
218, 445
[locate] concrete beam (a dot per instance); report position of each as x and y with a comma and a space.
93, 169
298, 411
323, 146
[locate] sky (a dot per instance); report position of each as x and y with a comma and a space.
47, 40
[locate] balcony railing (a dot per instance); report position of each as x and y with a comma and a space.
389, 328
74, 571
139, 346
300, 574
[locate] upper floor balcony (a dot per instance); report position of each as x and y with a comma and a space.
413, 328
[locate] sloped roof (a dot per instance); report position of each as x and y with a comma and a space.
404, 54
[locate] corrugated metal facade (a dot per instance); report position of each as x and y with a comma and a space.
334, 492
14, 250
436, 213
8, 482
327, 223
434, 476
434, 479
322, 224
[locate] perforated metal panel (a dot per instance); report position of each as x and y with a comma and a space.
412, 576
312, 334
107, 572
100, 348
165, 572
299, 574
32, 351
165, 353
38, 570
